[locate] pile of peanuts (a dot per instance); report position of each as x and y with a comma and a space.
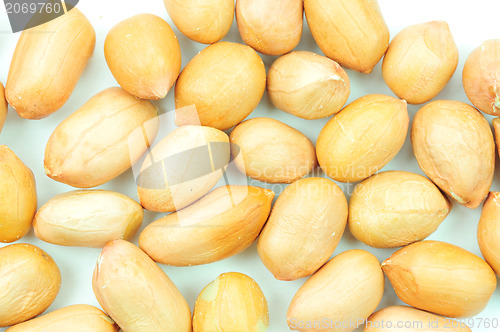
203, 223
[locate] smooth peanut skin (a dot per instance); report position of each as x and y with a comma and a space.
362, 138
413, 320
221, 224
232, 302
80, 317
136, 293
168, 191
255, 17
143, 55
346, 289
47, 64
307, 85
271, 151
101, 140
350, 32
311, 213
18, 196
441, 278
481, 77
225, 82
454, 147
30, 281
420, 61
488, 232
89, 218
3, 106
204, 21
396, 208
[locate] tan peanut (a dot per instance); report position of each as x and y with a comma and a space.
396, 208
272, 151
350, 32
30, 281
304, 228
441, 278
88, 218
3, 106
204, 21
80, 317
420, 61
232, 302
47, 64
481, 77
272, 27
101, 140
307, 85
362, 138
454, 147
220, 225
200, 152
346, 289
488, 232
18, 196
136, 293
143, 55
225, 83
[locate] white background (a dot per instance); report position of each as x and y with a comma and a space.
471, 23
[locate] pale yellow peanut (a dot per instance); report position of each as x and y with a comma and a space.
272, 151
488, 232
454, 147
271, 27
47, 64
304, 228
204, 21
80, 317
88, 218
221, 224
101, 140
143, 55
307, 85
441, 278
18, 201
3, 106
232, 302
136, 293
30, 281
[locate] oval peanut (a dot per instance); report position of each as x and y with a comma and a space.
396, 208
346, 289
200, 152
136, 293
307, 85
101, 140
255, 17
88, 218
81, 318
204, 21
29, 283
47, 64
481, 77
362, 138
143, 55
220, 225
304, 228
441, 278
18, 196
454, 147
232, 302
488, 232
3, 106
350, 32
225, 83
272, 151
420, 61
407, 319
